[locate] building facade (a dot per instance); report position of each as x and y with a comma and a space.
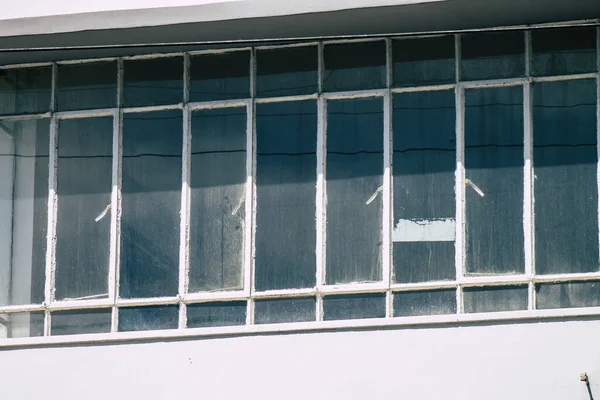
300, 200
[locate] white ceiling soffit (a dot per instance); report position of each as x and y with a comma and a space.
35, 17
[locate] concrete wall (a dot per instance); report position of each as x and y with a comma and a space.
494, 362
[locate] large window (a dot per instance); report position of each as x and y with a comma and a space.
384, 178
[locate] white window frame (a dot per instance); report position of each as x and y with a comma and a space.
248, 292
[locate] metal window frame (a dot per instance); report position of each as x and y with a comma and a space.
248, 292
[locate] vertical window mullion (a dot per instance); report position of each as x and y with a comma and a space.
184, 233
460, 178
387, 182
116, 202
598, 120
250, 245
321, 209
52, 207
321, 199
528, 193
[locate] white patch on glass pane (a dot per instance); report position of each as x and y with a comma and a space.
424, 230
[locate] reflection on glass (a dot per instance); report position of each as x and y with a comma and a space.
354, 176
354, 306
424, 207
218, 176
25, 90
153, 82
354, 66
563, 51
148, 318
287, 71
151, 199
494, 166
23, 210
492, 55
568, 295
21, 325
220, 76
216, 314
565, 184
296, 309
84, 184
85, 86
424, 61
434, 302
77, 322
490, 299
286, 137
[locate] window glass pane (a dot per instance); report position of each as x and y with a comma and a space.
435, 302
153, 82
76, 322
84, 184
354, 175
89, 85
218, 176
272, 311
151, 199
216, 314
565, 184
424, 61
489, 299
424, 163
23, 210
354, 66
287, 71
355, 306
220, 76
563, 51
25, 91
285, 182
494, 166
20, 325
148, 318
567, 295
493, 55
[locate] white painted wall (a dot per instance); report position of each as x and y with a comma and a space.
516, 361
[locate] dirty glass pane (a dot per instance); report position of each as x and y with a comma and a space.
354, 176
296, 309
489, 299
85, 86
568, 295
220, 76
563, 51
355, 306
19, 325
287, 71
435, 302
493, 55
151, 199
286, 170
25, 90
216, 314
23, 210
494, 166
148, 318
84, 184
565, 181
424, 61
153, 82
424, 162
217, 210
354, 66
76, 322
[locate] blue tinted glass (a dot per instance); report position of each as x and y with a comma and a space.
492, 55
85, 86
216, 314
153, 82
148, 318
287, 71
25, 91
297, 309
435, 302
354, 66
356, 306
424, 61
563, 51
220, 76
490, 299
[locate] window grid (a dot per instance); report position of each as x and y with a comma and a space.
320, 290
